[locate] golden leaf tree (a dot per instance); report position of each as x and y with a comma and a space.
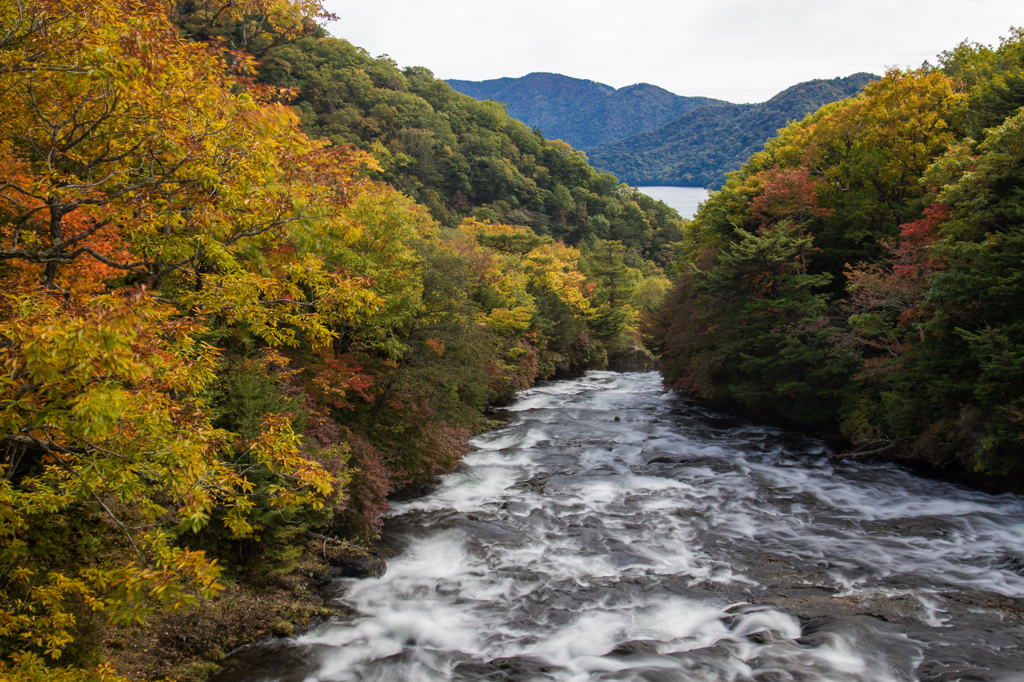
146, 192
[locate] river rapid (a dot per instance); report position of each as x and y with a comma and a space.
614, 531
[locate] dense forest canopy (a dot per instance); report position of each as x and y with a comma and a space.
861, 275
457, 156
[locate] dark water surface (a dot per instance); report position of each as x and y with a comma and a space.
673, 544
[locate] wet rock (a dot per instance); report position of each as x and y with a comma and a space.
632, 360
871, 638
706, 659
521, 663
513, 669
353, 563
637, 647
278, 660
773, 676
1011, 562
650, 675
320, 580
471, 670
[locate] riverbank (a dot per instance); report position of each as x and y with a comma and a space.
189, 645
915, 456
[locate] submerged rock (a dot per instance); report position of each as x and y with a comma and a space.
634, 647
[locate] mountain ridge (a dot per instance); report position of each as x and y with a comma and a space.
646, 135
582, 112
698, 148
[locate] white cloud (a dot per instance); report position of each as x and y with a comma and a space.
738, 50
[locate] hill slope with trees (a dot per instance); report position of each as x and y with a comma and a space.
700, 147
581, 112
457, 156
862, 276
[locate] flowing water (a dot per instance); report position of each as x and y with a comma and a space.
613, 531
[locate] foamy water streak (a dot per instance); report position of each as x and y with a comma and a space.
614, 532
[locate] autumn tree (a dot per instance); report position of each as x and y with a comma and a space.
146, 195
951, 387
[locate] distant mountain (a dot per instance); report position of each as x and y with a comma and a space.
699, 147
581, 112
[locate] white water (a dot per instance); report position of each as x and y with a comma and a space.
560, 540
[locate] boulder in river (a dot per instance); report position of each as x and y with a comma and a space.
635, 359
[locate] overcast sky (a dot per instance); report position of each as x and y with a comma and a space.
736, 50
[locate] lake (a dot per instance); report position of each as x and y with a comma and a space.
683, 199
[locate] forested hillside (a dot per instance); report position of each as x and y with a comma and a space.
246, 300
862, 275
457, 156
700, 147
581, 112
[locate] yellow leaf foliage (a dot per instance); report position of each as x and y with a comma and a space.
146, 193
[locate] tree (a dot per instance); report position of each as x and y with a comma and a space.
613, 283
146, 194
749, 329
871, 152
850, 173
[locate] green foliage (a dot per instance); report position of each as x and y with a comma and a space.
976, 302
951, 386
759, 335
218, 334
700, 147
458, 156
863, 274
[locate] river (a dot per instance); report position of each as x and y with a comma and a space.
615, 531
